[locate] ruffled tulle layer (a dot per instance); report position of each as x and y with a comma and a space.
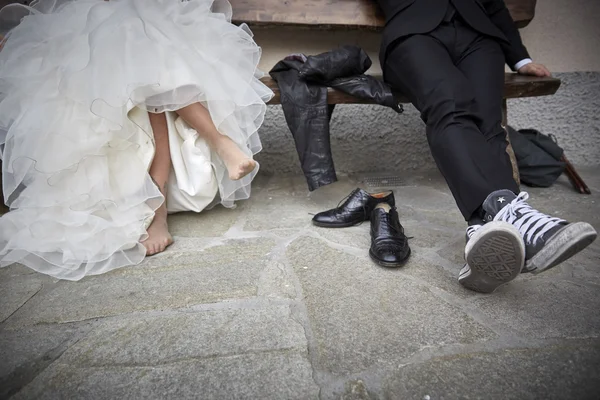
76, 78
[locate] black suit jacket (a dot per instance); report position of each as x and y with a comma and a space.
488, 17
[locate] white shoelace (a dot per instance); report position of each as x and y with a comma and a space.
532, 224
472, 229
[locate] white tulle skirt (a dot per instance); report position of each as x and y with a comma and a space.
77, 80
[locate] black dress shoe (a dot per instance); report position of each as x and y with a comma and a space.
356, 209
389, 245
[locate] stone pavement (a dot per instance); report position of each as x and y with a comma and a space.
257, 303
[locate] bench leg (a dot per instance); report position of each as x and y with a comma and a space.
509, 148
330, 109
3, 208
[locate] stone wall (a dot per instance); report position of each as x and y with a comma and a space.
369, 138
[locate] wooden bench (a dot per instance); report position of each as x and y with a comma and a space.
365, 15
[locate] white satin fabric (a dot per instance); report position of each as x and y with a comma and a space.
77, 80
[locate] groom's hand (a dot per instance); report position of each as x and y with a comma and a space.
534, 69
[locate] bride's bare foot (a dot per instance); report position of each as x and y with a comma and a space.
159, 237
237, 163
244, 167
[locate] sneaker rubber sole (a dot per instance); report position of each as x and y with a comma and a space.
565, 243
495, 256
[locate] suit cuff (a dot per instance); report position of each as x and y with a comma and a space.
522, 63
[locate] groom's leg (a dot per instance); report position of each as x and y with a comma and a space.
463, 137
482, 62
456, 81
423, 69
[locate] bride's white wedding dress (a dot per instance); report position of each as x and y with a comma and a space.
77, 79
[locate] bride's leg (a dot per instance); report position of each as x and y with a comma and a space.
238, 164
159, 237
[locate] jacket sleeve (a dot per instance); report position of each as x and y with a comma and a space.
514, 50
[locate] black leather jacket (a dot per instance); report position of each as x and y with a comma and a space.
303, 83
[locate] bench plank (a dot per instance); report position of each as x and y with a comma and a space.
327, 14
515, 86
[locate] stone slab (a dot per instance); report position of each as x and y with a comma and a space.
355, 390
216, 221
426, 271
281, 375
163, 339
223, 272
209, 223
278, 213
584, 267
14, 270
562, 201
283, 204
544, 306
354, 239
27, 352
363, 316
425, 199
559, 372
430, 236
16, 290
201, 253
276, 282
450, 219
454, 252
257, 352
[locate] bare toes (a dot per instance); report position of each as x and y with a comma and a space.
244, 168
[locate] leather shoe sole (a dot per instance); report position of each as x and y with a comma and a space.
388, 264
335, 225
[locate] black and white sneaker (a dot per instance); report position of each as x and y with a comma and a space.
548, 240
495, 254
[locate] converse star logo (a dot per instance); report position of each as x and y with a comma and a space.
501, 200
